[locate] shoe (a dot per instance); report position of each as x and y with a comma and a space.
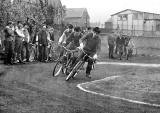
88, 76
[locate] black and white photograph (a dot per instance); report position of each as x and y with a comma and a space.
79, 56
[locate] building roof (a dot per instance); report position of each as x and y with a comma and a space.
55, 2
134, 11
75, 12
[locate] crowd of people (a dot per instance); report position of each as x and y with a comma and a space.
26, 43
119, 44
20, 38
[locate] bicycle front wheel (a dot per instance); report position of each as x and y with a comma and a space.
57, 69
74, 70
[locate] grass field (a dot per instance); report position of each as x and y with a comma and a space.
31, 88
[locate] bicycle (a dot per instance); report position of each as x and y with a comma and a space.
64, 62
78, 66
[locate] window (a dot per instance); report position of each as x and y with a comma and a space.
125, 17
135, 16
120, 17
158, 27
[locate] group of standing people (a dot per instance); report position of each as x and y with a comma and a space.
18, 39
119, 44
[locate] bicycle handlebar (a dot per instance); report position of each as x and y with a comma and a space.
68, 50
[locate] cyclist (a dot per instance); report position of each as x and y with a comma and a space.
91, 47
73, 42
65, 35
63, 39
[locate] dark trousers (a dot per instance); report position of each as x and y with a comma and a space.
26, 47
86, 59
111, 50
9, 51
42, 53
18, 49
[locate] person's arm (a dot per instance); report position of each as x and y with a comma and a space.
28, 36
48, 36
20, 33
62, 39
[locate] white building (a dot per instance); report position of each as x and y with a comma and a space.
137, 23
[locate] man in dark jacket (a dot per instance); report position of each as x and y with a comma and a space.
42, 44
9, 43
91, 47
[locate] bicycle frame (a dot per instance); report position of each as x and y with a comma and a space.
68, 60
79, 64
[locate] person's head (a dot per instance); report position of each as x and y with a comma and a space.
70, 27
44, 26
77, 30
96, 30
89, 28
19, 24
25, 26
10, 23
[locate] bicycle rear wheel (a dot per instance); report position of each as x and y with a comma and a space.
57, 69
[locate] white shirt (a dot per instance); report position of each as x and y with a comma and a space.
20, 32
27, 36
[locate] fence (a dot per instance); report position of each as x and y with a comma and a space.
135, 30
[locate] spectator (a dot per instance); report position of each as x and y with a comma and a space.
111, 45
26, 43
9, 43
51, 33
19, 41
42, 44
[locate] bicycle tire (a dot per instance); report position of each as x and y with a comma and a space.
68, 68
57, 69
74, 71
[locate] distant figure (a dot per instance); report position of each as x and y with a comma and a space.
120, 42
129, 48
111, 45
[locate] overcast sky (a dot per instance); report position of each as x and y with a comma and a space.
100, 10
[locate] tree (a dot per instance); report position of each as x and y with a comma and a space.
4, 13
